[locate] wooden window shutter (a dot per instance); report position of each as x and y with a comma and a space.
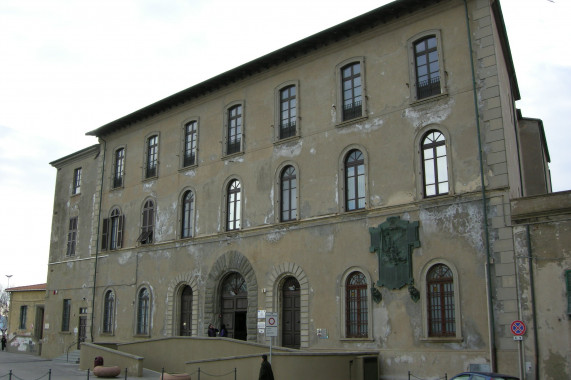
105, 234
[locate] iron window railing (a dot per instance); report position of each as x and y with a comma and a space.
352, 110
287, 129
428, 87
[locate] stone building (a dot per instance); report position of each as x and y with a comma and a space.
26, 318
357, 182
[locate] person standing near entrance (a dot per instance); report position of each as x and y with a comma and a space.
266, 372
3, 342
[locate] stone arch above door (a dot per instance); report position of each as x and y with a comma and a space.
275, 280
232, 261
173, 302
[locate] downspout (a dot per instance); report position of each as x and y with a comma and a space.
492, 323
97, 238
533, 309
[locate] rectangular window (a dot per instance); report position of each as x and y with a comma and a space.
152, 156
72, 236
119, 168
190, 139
65, 315
287, 112
23, 315
351, 87
234, 137
427, 67
76, 181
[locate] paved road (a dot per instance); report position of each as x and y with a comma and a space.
30, 367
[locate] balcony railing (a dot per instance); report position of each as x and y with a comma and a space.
287, 129
353, 110
189, 159
233, 147
427, 88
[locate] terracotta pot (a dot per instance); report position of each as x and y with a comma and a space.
175, 376
101, 371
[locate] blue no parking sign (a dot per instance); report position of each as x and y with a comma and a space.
518, 328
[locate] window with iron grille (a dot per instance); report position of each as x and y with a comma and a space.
440, 302
288, 194
233, 206
356, 309
23, 316
427, 67
288, 114
354, 181
190, 144
143, 312
434, 164
119, 170
234, 133
65, 317
187, 214
352, 91
72, 236
152, 157
112, 231
108, 312
148, 223
76, 181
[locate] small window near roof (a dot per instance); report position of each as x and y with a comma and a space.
119, 169
234, 132
76, 181
190, 143
427, 67
288, 112
352, 91
152, 157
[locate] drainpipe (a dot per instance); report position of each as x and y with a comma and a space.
97, 238
533, 309
491, 320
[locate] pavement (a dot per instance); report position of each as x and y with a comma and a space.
31, 367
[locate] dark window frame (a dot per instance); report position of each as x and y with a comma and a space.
435, 163
72, 236
190, 148
440, 301
288, 112
233, 205
355, 181
119, 168
351, 91
112, 231
288, 194
66, 315
108, 312
234, 129
147, 223
76, 186
426, 67
356, 306
152, 156
187, 218
23, 317
143, 311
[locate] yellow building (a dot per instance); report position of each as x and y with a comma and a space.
357, 183
26, 318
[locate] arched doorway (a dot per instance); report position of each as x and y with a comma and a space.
291, 306
186, 311
235, 305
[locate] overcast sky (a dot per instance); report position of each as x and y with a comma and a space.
69, 67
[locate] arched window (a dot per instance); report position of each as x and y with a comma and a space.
112, 231
354, 181
186, 311
233, 207
187, 214
352, 90
434, 164
108, 312
148, 223
356, 308
288, 115
288, 183
440, 302
143, 312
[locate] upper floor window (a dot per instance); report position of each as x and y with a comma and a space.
190, 143
66, 314
187, 224
356, 309
288, 113
143, 311
233, 210
152, 156
108, 311
427, 67
23, 316
76, 181
72, 236
288, 181
434, 164
119, 169
352, 91
148, 223
440, 302
234, 130
354, 181
112, 234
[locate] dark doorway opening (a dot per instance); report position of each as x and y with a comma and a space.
186, 311
235, 306
82, 330
291, 313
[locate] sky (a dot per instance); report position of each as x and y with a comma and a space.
68, 67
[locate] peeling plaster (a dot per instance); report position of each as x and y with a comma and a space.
288, 149
190, 173
123, 257
374, 125
274, 237
233, 160
312, 151
463, 220
434, 114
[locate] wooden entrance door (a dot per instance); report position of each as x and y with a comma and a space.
291, 330
186, 311
82, 330
235, 306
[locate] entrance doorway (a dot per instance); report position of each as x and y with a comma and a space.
82, 330
291, 326
235, 305
186, 311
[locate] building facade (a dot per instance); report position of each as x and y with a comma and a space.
26, 318
357, 183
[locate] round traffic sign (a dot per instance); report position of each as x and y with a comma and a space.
271, 321
518, 328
